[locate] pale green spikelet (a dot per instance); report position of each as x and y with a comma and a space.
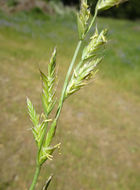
81, 76
51, 67
34, 117
46, 152
97, 41
51, 133
37, 128
38, 133
82, 19
106, 4
48, 85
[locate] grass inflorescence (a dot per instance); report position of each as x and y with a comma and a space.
116, 78
83, 72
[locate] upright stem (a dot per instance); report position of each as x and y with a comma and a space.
38, 167
93, 19
66, 80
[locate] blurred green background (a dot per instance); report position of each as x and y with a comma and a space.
99, 126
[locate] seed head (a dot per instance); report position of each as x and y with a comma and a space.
106, 4
46, 152
97, 41
82, 19
48, 85
81, 76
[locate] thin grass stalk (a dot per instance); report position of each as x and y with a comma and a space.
38, 166
37, 171
94, 17
67, 79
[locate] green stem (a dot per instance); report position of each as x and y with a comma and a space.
94, 17
67, 79
38, 166
32, 187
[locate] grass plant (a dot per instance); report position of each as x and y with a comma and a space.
99, 125
44, 127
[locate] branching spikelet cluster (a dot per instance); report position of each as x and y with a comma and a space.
82, 19
81, 76
106, 4
86, 69
40, 123
97, 41
47, 152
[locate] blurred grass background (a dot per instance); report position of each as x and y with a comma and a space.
99, 126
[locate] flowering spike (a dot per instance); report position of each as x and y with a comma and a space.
33, 115
52, 64
48, 85
83, 74
46, 152
50, 133
82, 19
97, 41
38, 133
106, 4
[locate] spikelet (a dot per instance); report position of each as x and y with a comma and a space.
47, 149
46, 152
38, 128
48, 85
81, 76
34, 117
38, 133
106, 4
48, 104
97, 41
82, 19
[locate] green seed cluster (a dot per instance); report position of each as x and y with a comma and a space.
97, 41
48, 85
85, 70
38, 128
81, 76
82, 19
106, 4
40, 123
